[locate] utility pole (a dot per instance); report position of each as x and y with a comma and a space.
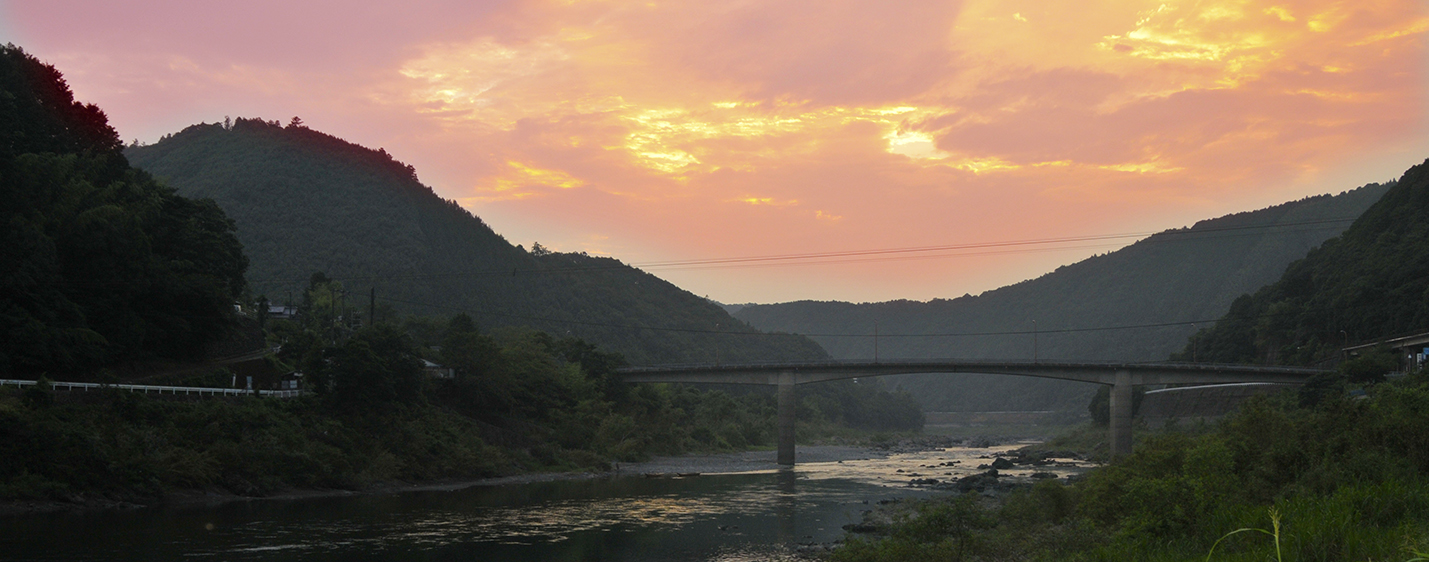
875, 342
1034, 341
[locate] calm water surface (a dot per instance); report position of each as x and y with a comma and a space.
727, 518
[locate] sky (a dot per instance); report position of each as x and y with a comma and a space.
878, 150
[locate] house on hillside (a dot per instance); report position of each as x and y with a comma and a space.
291, 381
282, 312
264, 373
436, 371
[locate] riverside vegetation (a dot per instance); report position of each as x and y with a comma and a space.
1345, 477
519, 401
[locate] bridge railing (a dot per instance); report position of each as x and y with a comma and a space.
145, 388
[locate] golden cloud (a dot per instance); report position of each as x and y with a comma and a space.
767, 201
1143, 102
522, 181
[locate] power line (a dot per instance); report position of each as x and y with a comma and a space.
877, 255
982, 245
970, 254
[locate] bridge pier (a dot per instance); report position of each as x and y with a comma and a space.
1121, 411
785, 421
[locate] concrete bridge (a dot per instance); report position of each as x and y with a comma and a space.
1121, 377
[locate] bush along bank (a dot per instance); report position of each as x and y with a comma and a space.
1313, 475
518, 401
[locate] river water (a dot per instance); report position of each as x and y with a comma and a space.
751, 516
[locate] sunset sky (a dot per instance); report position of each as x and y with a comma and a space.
659, 132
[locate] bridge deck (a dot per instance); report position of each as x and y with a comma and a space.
1122, 377
1093, 372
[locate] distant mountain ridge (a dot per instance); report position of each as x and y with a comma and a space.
1160, 285
305, 201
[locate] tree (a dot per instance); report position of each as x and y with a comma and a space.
1370, 367
101, 263
322, 306
262, 312
375, 368
468, 352
597, 365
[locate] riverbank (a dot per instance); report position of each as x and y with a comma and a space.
762, 515
747, 461
742, 506
709, 463
719, 463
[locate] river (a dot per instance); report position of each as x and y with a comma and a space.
747, 516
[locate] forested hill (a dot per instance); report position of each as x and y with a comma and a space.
99, 264
1369, 283
1156, 284
305, 201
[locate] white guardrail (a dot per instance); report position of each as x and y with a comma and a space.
186, 390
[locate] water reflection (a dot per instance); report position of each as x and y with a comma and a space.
726, 518
786, 481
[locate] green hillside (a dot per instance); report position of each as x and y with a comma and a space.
1366, 284
305, 201
100, 264
1158, 287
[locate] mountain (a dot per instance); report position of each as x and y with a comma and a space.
305, 201
1368, 283
1139, 303
99, 263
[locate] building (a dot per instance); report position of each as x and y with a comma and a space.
436, 371
282, 312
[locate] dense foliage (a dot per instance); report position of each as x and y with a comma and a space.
306, 201
1168, 281
99, 264
1369, 283
1337, 478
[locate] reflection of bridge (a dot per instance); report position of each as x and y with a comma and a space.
1122, 377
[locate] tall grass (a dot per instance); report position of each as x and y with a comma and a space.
1274, 533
